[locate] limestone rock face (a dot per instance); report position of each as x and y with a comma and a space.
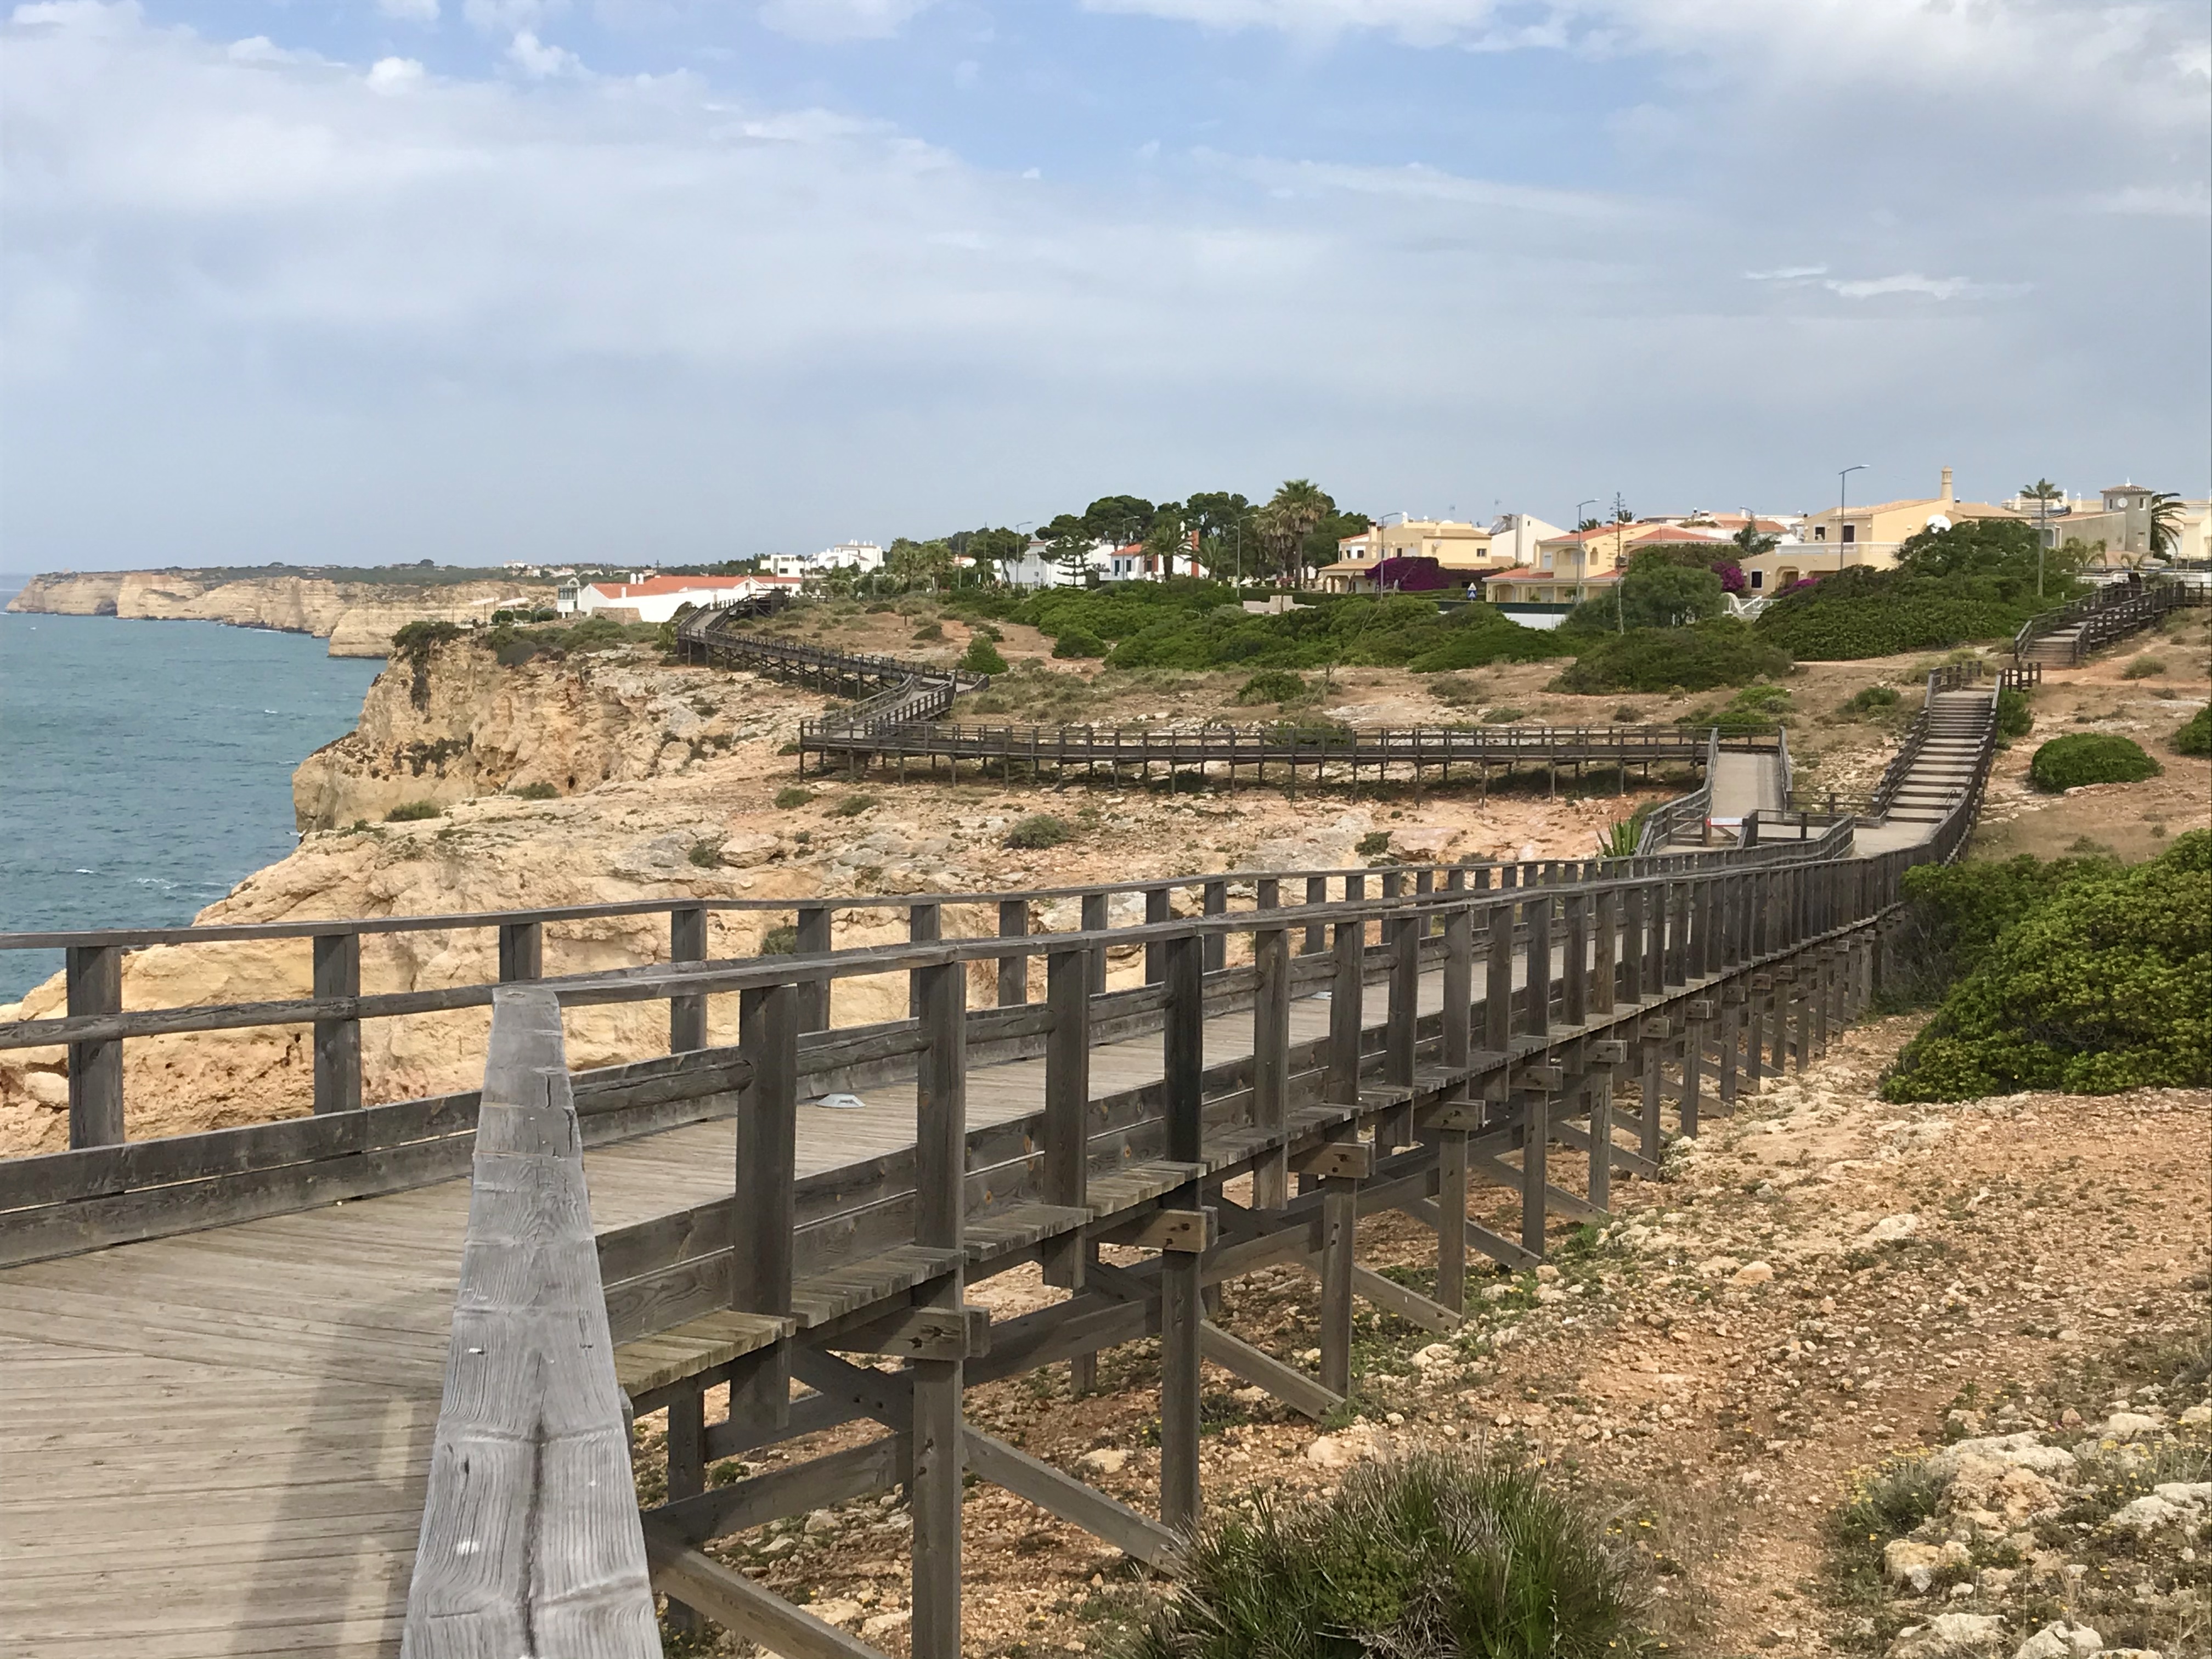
358, 618
457, 725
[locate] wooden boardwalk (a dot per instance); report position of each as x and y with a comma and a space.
217, 1443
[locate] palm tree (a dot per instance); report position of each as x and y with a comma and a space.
1293, 512
2042, 491
1751, 541
2165, 523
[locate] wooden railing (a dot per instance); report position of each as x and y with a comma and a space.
2107, 613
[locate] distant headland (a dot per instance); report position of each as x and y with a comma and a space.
356, 608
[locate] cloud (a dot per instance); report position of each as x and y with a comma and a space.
1785, 274
833, 20
1415, 182
1933, 287
410, 11
535, 58
2157, 201
393, 75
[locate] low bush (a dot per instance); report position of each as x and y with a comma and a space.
2195, 737
1077, 643
1426, 1556
929, 632
1875, 700
780, 941
1504, 716
2143, 668
534, 792
853, 805
1374, 844
415, 640
791, 796
2085, 758
1628, 714
1696, 658
981, 657
707, 855
2015, 719
1272, 685
1975, 580
414, 812
1754, 709
1037, 832
1954, 914
2107, 985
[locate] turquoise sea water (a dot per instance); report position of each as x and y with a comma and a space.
146, 767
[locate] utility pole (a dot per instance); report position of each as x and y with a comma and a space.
2042, 535
1844, 479
1582, 546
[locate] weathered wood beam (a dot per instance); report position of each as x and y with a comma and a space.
1073, 1501
739, 1605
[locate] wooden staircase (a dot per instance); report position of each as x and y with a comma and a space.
1943, 771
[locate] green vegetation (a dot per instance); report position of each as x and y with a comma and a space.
1661, 589
2104, 985
1695, 658
2195, 737
981, 657
414, 812
791, 796
707, 853
1038, 831
2014, 718
780, 941
534, 792
853, 805
1374, 844
515, 646
1754, 709
1273, 685
1976, 581
1191, 624
1956, 913
1427, 1556
1875, 700
2143, 668
415, 641
929, 632
2083, 757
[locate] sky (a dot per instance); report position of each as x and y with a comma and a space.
360, 281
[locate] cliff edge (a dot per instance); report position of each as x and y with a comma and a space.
357, 617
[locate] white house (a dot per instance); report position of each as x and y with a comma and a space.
863, 557
657, 599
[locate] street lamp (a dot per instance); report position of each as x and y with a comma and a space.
1591, 501
1842, 478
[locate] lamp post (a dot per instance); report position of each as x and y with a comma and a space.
1843, 479
2042, 535
1591, 501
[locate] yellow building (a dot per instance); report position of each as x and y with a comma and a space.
1462, 549
1872, 534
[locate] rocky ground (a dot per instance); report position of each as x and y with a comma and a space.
1821, 1289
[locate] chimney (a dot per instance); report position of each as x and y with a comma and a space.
1946, 497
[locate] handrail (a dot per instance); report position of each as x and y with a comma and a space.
2106, 614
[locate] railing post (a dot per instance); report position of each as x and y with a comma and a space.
1271, 1050
1013, 970
521, 952
1316, 941
1156, 910
1094, 921
925, 925
1451, 1144
1217, 904
94, 976
687, 942
338, 1041
1605, 954
1497, 982
1346, 996
1067, 1125
940, 1179
1576, 1011
1537, 1014
1181, 1308
1633, 950
761, 1216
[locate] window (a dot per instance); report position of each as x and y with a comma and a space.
1757, 580
1851, 532
1820, 532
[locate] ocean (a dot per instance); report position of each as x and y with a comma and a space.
146, 767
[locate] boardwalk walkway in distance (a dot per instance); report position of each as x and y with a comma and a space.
218, 1436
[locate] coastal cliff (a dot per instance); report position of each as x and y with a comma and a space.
454, 723
357, 617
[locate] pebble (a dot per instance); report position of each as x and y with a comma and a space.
1105, 1460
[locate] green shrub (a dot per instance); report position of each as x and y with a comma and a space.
1976, 581
534, 792
1875, 700
1696, 659
2083, 757
413, 811
1503, 715
1037, 832
2143, 668
2106, 985
1955, 913
853, 805
1374, 844
792, 796
779, 941
1430, 1556
929, 632
2014, 718
2195, 737
981, 657
1628, 714
1077, 643
415, 640
1754, 709
1273, 685
707, 855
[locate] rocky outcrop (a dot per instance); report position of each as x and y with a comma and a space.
454, 724
358, 618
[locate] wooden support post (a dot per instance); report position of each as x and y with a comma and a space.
686, 1470
93, 975
1215, 904
1605, 955
1094, 921
1340, 1222
1013, 970
1693, 1072
762, 1217
1601, 1139
687, 942
1647, 1129
338, 1041
1067, 1103
1271, 1055
925, 923
1315, 940
940, 1148
1182, 1311
1536, 1135
1402, 1023
1537, 1019
1575, 1005
521, 952
813, 940
1731, 1030
1156, 910
1497, 982
1633, 952
1341, 1085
